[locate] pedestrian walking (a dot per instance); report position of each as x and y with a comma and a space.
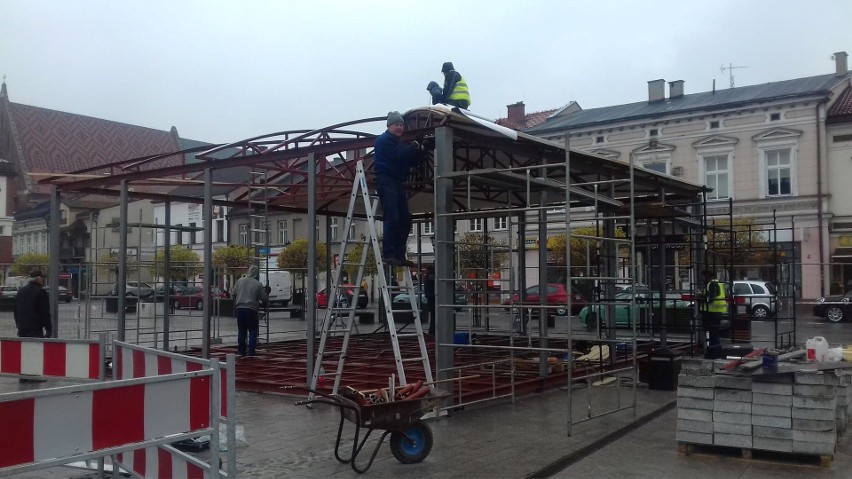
32, 309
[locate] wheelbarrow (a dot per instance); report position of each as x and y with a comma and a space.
410, 438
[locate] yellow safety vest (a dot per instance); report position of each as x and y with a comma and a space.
460, 91
719, 304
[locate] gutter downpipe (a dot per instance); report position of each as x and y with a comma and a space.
820, 126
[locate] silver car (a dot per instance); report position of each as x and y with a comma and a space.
760, 296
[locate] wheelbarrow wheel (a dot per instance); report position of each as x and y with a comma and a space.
412, 445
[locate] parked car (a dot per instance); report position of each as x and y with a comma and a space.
8, 292
459, 298
134, 288
349, 290
556, 295
761, 296
834, 308
64, 294
625, 314
192, 297
160, 291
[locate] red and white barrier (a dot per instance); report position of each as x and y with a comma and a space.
65, 358
132, 361
56, 426
164, 462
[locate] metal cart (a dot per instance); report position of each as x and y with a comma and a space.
410, 438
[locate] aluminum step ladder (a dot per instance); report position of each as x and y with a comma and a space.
340, 319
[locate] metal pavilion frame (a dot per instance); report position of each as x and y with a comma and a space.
477, 168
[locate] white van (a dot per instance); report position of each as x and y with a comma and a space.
280, 284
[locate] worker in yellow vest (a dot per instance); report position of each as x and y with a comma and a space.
714, 311
455, 90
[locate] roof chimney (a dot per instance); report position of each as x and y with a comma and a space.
676, 89
840, 63
516, 112
656, 90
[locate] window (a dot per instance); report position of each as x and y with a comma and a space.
741, 289
599, 139
283, 236
351, 231
658, 162
333, 228
778, 173
244, 234
778, 155
835, 138
717, 176
317, 228
774, 117
428, 228
2, 230
501, 223
178, 234
193, 237
476, 224
714, 125
220, 230
653, 132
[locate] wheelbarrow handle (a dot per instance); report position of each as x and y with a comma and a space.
329, 397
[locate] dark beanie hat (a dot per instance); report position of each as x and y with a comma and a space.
36, 273
394, 117
448, 66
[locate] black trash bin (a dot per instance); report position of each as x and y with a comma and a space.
663, 369
112, 303
298, 310
226, 307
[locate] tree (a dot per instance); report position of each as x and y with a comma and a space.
109, 263
353, 260
750, 245
294, 258
231, 259
28, 262
184, 264
584, 251
479, 255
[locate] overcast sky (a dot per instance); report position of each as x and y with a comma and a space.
228, 70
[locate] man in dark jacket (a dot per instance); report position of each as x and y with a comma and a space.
394, 159
32, 309
455, 90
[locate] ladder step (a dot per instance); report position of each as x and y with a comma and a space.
407, 335
411, 360
331, 353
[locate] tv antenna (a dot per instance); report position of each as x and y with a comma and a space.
730, 69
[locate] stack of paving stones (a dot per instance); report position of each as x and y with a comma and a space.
844, 400
696, 385
801, 413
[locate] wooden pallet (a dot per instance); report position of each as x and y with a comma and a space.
687, 448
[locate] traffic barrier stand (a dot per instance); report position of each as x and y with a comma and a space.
56, 426
54, 358
133, 361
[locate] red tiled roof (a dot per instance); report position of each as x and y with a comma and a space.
57, 142
530, 120
842, 107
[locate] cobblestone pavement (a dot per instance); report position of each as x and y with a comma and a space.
498, 439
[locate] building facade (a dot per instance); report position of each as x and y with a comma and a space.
762, 148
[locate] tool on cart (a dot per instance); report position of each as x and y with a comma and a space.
410, 438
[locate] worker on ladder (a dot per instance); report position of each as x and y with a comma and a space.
394, 159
